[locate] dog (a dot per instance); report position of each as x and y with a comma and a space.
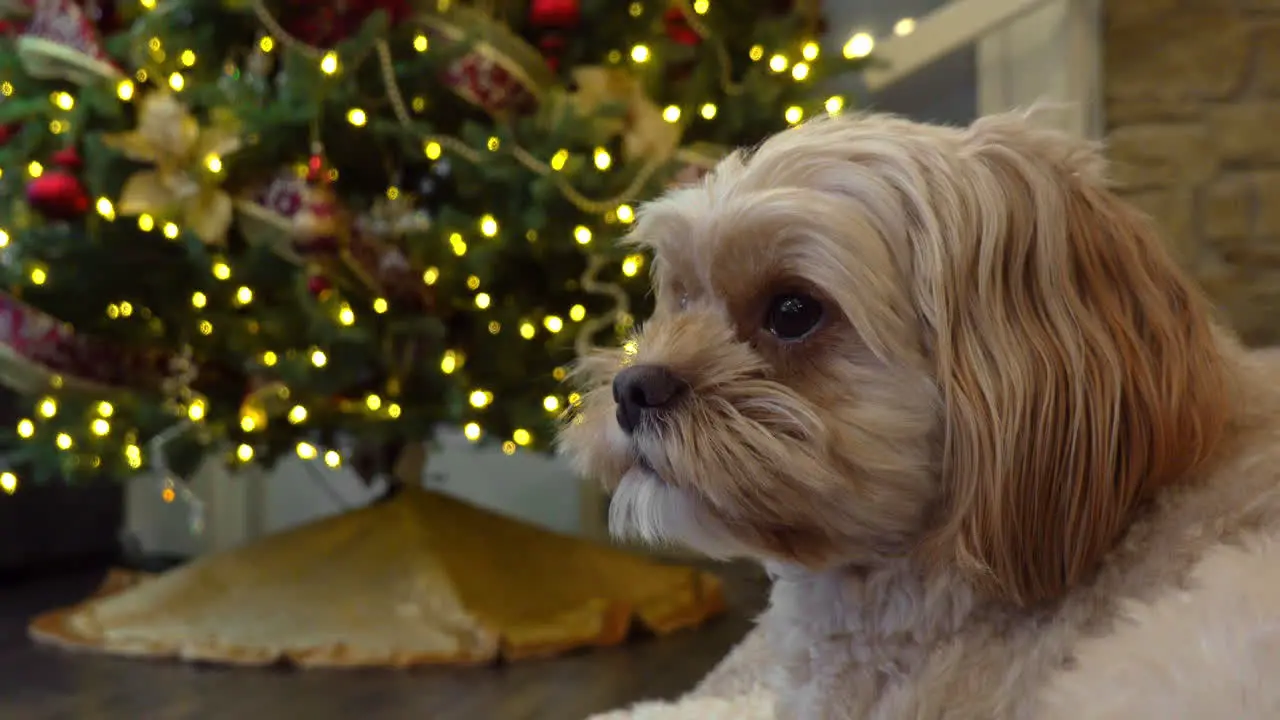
988, 438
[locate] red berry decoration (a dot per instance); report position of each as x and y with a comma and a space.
68, 158
555, 13
58, 195
678, 29
318, 284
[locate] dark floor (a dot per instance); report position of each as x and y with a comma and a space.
38, 683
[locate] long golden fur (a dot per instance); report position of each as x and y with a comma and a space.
1013, 405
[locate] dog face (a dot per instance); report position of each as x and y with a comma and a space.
876, 339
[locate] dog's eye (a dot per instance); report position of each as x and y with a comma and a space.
791, 316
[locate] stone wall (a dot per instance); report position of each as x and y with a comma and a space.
1193, 127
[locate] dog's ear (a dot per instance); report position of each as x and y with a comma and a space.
1077, 364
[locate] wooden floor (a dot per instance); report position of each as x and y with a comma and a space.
38, 683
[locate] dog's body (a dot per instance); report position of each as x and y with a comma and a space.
982, 431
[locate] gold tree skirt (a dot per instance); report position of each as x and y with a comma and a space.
419, 579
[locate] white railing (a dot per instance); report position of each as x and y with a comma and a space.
1028, 52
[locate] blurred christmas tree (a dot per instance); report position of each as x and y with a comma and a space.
288, 222
327, 228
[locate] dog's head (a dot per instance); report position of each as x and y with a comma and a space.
875, 339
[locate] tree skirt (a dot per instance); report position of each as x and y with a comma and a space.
419, 579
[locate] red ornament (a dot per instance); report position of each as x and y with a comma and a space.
555, 13
8, 131
59, 195
326, 24
318, 285
677, 26
68, 158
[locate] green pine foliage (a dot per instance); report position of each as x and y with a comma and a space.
524, 207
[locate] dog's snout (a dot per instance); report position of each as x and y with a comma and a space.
642, 389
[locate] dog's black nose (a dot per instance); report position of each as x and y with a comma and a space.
642, 389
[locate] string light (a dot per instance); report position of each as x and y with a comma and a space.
472, 431
269, 358
488, 226
329, 63
206, 327
63, 100
631, 265
636, 9
332, 458
904, 27
810, 51
26, 428
213, 162
100, 427
48, 407
483, 300
244, 453
432, 150
493, 144
306, 451
457, 244
508, 448
473, 282
431, 275
373, 402
778, 63
640, 54
448, 362
196, 410
177, 82
171, 230
794, 114
357, 117
318, 358
834, 105
701, 6
527, 330
244, 295
671, 114
4, 239
8, 483
393, 411
420, 43
105, 409
35, 169
859, 46
63, 441
551, 403
602, 159
380, 305
188, 58
346, 315
106, 209
126, 308
577, 313
559, 159
480, 398
6, 88
221, 270
39, 276
248, 424
124, 90
553, 323
168, 495
133, 456
756, 53
799, 71
146, 223
582, 234
708, 111
266, 44
522, 436
199, 300
297, 415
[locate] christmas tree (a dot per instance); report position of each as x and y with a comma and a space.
286, 223
268, 227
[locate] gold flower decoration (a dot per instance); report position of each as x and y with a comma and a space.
186, 167
645, 134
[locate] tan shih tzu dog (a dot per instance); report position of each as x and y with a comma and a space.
981, 429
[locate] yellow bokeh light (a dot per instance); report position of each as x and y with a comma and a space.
508, 448
756, 53
373, 402
306, 451
346, 315
4, 239
48, 407
26, 428
810, 51
582, 234
448, 362
472, 431
671, 114
432, 150
602, 159
834, 105
778, 63
168, 495
64, 100
480, 398
206, 327
244, 453
904, 27
269, 358
221, 270
171, 230
527, 330
297, 415
640, 53
125, 90
577, 313
188, 58
393, 411
213, 162
551, 403
8, 483
357, 117
318, 358
559, 159
105, 208
488, 226
631, 265
146, 223
332, 458
100, 427
800, 71
420, 43
244, 295
329, 63
859, 46
196, 410
177, 82
380, 305
266, 44
522, 436
63, 441
483, 300
199, 300
105, 409
248, 424
701, 6
794, 114
553, 323
626, 214
493, 144
708, 111
431, 275
35, 169
39, 276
